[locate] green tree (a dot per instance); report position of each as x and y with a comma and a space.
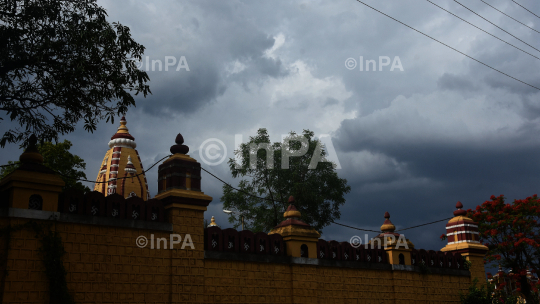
58, 158
318, 191
62, 62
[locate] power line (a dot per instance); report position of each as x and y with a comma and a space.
424, 224
526, 9
355, 227
496, 25
90, 181
239, 190
361, 229
510, 16
446, 219
96, 182
482, 30
448, 46
143, 172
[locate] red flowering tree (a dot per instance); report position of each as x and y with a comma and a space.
512, 234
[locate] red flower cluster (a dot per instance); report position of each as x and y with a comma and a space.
511, 232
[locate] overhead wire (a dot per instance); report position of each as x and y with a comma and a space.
526, 9
446, 219
240, 190
356, 228
142, 172
495, 25
470, 57
368, 230
483, 30
509, 16
229, 185
97, 182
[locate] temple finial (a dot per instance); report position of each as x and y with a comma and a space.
179, 147
387, 225
31, 153
459, 211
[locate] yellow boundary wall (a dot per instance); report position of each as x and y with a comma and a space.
104, 265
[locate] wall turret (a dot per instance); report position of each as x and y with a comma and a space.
299, 237
463, 238
398, 248
32, 185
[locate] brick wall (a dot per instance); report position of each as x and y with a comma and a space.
24, 280
104, 265
245, 282
187, 268
412, 287
250, 282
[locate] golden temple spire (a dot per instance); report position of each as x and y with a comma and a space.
120, 162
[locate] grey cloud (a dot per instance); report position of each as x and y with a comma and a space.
452, 82
496, 82
423, 165
271, 67
418, 178
330, 101
183, 91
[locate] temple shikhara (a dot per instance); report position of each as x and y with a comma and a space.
122, 161
123, 246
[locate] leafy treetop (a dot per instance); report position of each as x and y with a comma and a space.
62, 62
318, 192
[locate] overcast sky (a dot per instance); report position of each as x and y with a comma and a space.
414, 140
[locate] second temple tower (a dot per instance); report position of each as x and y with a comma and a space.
122, 161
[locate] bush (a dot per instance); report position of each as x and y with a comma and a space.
477, 295
486, 294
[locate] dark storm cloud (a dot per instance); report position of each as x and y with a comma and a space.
444, 129
257, 71
271, 67
330, 101
452, 82
187, 91
184, 91
512, 63
496, 82
211, 38
413, 160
